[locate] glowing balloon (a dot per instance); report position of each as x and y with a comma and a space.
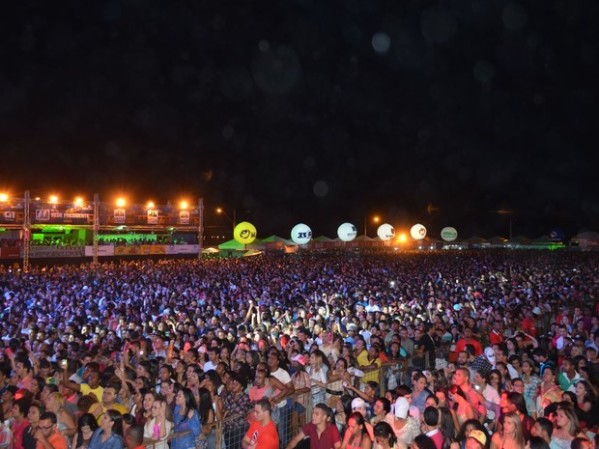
418, 232
347, 232
244, 233
449, 234
385, 232
301, 234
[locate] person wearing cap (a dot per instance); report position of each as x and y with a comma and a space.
404, 426
359, 405
484, 363
476, 439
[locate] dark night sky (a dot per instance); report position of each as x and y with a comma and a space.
311, 110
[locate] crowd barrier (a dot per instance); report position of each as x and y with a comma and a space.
290, 415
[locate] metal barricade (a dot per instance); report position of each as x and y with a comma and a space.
289, 417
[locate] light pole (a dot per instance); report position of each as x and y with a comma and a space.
221, 211
376, 219
510, 214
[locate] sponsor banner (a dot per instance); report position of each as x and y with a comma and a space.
152, 249
120, 216
10, 252
152, 216
39, 252
58, 215
103, 250
8, 216
184, 217
182, 249
127, 250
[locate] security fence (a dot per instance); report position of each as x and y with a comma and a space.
292, 413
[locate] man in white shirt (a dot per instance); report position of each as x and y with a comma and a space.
213, 359
279, 399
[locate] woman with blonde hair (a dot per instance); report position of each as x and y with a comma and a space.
159, 427
511, 436
64, 420
566, 426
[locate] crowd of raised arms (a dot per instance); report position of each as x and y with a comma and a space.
331, 350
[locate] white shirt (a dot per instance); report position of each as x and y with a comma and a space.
282, 376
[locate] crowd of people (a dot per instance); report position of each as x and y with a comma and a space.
332, 350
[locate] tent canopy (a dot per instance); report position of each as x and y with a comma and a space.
232, 245
275, 238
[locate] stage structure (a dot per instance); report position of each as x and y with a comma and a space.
76, 224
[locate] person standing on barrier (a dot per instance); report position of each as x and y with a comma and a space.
262, 433
322, 431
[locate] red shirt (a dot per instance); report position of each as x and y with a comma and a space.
265, 437
495, 337
528, 326
328, 438
462, 342
437, 438
17, 432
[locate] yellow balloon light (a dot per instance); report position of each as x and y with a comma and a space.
244, 233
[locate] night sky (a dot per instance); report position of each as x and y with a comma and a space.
311, 111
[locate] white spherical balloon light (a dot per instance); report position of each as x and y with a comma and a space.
418, 232
301, 234
449, 234
385, 232
347, 232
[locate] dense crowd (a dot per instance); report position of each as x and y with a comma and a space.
349, 350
